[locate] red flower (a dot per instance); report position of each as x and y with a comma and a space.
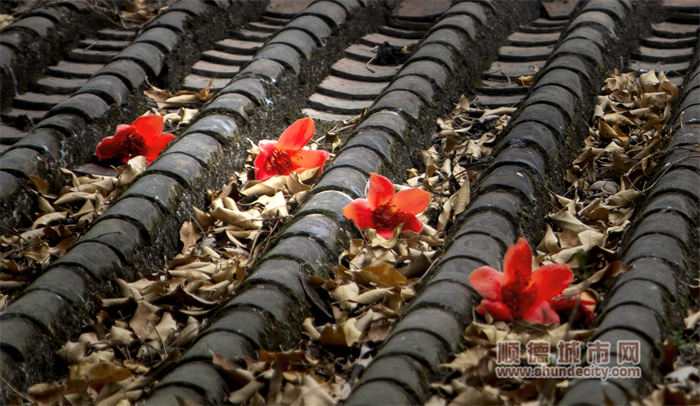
142, 137
519, 292
566, 306
289, 154
383, 210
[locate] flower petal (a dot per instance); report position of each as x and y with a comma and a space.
123, 130
155, 145
412, 201
583, 309
412, 224
550, 280
381, 190
148, 126
297, 135
487, 281
108, 148
266, 147
309, 158
359, 212
517, 264
543, 313
497, 310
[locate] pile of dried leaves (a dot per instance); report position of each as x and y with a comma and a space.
611, 172
465, 141
470, 378
460, 151
143, 328
368, 293
139, 12
61, 219
584, 231
376, 277
180, 108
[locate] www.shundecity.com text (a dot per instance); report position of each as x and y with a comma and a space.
568, 372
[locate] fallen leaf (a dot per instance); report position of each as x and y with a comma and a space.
106, 372
244, 394
372, 296
466, 359
143, 321
333, 335
525, 80
692, 320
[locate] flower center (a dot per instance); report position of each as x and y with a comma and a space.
386, 217
133, 144
280, 161
518, 298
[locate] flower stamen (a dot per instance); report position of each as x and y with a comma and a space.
280, 161
518, 299
133, 145
386, 217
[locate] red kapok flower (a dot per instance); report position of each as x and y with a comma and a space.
519, 292
289, 154
383, 210
568, 306
144, 136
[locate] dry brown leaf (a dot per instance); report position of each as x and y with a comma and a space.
239, 375
692, 320
383, 275
189, 235
486, 334
274, 207
312, 394
473, 396
344, 293
166, 327
461, 107
352, 330
608, 272
616, 119
310, 330
466, 359
463, 197
73, 352
74, 197
288, 360
45, 393
333, 335
121, 336
5, 20
549, 243
105, 372
244, 394
144, 320
565, 220
525, 80
624, 198
39, 252
249, 220
372, 296
40, 184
